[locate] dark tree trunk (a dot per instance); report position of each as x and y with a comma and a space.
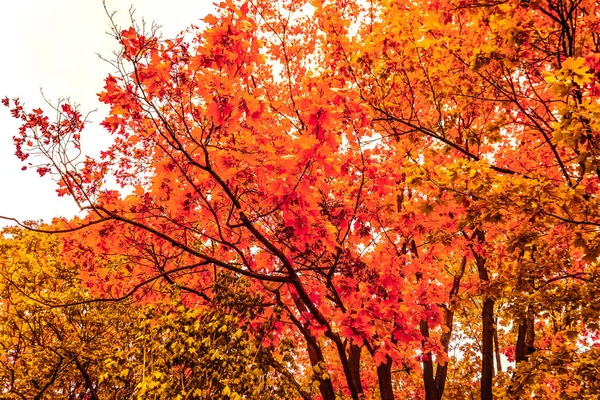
384, 373
525, 337
441, 372
487, 318
354, 361
431, 389
487, 350
530, 337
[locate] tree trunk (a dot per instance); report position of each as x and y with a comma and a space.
525, 337
431, 389
487, 350
354, 361
384, 373
441, 372
530, 331
487, 318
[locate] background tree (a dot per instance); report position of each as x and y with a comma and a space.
59, 342
179, 352
49, 351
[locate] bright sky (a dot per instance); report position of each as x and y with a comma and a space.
52, 45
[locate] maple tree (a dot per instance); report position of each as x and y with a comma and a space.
397, 183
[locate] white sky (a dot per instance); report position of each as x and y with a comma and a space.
52, 45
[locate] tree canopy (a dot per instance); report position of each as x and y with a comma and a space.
400, 198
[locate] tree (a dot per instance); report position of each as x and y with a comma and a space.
394, 181
178, 352
49, 351
59, 342
497, 107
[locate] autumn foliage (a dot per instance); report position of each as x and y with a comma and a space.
405, 192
